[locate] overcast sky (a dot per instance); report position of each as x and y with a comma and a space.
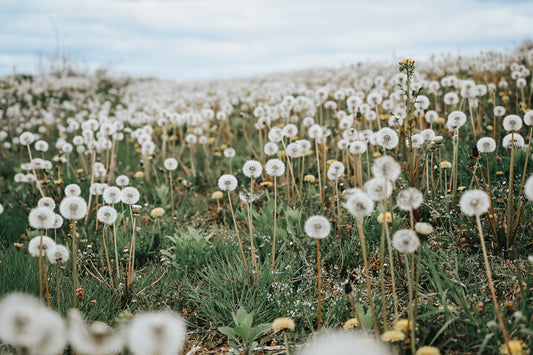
198, 39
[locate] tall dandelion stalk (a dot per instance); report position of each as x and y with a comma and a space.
476, 203
318, 227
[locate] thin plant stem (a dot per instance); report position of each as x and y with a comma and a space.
58, 289
391, 261
491, 284
41, 295
319, 177
319, 284
238, 237
510, 202
361, 233
382, 278
410, 276
275, 221
109, 269
250, 227
47, 290
116, 250
74, 265
37, 182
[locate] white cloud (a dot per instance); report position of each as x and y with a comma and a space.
207, 38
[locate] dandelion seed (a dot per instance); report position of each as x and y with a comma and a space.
486, 145
409, 199
474, 203
41, 218
317, 227
252, 169
170, 164
227, 182
156, 333
130, 195
73, 207
405, 241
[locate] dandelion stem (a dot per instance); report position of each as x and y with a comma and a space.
319, 284
74, 265
238, 237
252, 245
410, 276
491, 284
109, 269
275, 221
367, 273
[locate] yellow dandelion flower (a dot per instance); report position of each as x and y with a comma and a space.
79, 171
428, 350
440, 120
58, 182
505, 98
217, 195
387, 217
217, 154
376, 154
307, 153
282, 154
309, 178
461, 188
351, 323
282, 323
331, 161
393, 336
402, 325
223, 146
157, 212
518, 347
139, 174
267, 183
211, 140
499, 173
445, 164
18, 245
490, 128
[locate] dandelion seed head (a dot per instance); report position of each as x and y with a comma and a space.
387, 138
72, 190
106, 214
275, 167
474, 203
58, 254
252, 169
47, 202
130, 195
343, 343
170, 164
41, 218
317, 227
359, 204
156, 333
73, 207
513, 139
386, 167
227, 182
36, 244
486, 145
512, 123
409, 199
405, 241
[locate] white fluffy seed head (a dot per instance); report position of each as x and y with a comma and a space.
227, 182
170, 164
130, 195
294, 150
386, 167
409, 199
528, 118
73, 207
336, 170
72, 190
122, 180
344, 343
423, 228
112, 195
58, 254
106, 214
317, 227
512, 123
47, 202
229, 153
252, 169
405, 241
275, 167
474, 202
94, 338
456, 119
41, 218
156, 333
378, 189
528, 188
40, 242
359, 204
513, 139
486, 145
271, 148
387, 138
29, 326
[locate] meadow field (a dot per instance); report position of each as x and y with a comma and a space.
376, 208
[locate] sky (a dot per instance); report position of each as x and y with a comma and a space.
203, 39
